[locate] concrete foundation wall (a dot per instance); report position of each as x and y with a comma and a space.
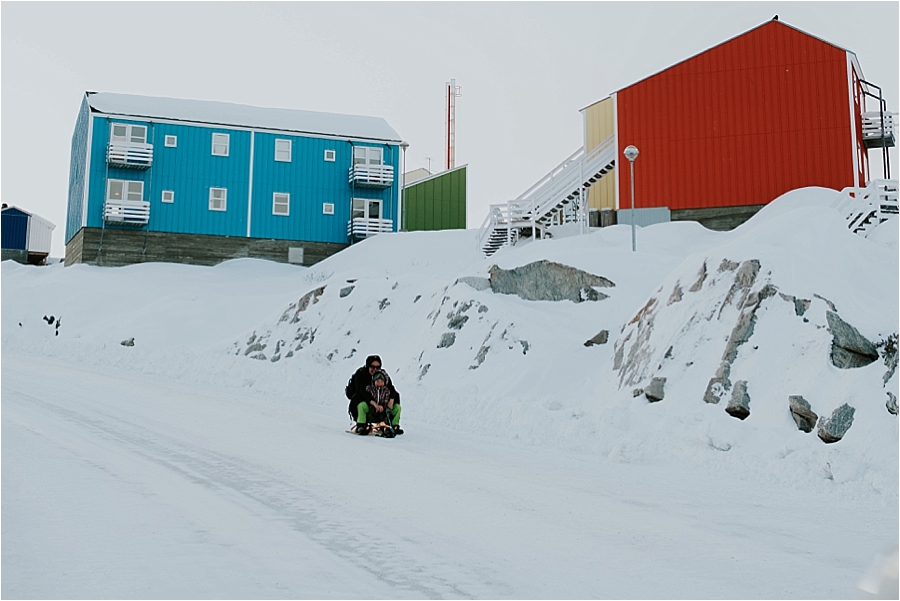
125, 247
720, 219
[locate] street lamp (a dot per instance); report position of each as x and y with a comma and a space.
631, 153
403, 146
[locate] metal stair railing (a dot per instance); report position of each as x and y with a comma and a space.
864, 208
536, 207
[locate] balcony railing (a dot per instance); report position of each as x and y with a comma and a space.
362, 227
372, 176
126, 212
129, 155
872, 129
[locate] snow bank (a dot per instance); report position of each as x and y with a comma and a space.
468, 359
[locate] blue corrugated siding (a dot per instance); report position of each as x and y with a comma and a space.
190, 169
311, 181
77, 164
14, 229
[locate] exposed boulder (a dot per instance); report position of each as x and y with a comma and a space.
739, 406
546, 280
475, 282
601, 338
307, 300
129, 342
834, 428
447, 340
345, 291
891, 403
889, 352
803, 415
716, 389
849, 348
656, 391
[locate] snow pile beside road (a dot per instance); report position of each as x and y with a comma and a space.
466, 358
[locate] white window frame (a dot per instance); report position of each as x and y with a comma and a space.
282, 199
168, 196
131, 190
362, 207
217, 141
328, 208
330, 155
130, 129
283, 155
171, 141
218, 194
368, 155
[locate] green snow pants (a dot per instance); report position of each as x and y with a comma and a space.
363, 410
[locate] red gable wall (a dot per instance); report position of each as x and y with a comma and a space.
739, 124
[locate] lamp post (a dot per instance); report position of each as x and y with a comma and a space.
631, 153
403, 146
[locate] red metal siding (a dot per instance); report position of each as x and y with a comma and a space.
740, 124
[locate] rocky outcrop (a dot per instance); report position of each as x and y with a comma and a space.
548, 281
128, 342
656, 391
739, 406
306, 301
475, 282
891, 403
601, 338
889, 352
447, 340
803, 415
849, 348
835, 427
346, 290
716, 389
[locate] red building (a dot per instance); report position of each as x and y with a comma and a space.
737, 125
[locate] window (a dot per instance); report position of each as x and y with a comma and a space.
123, 189
366, 155
220, 144
168, 196
328, 208
129, 134
366, 208
218, 198
171, 141
283, 151
281, 204
329, 156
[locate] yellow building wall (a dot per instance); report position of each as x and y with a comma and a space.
599, 124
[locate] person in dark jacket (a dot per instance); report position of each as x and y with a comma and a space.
358, 393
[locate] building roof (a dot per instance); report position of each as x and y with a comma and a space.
850, 52
15, 209
242, 115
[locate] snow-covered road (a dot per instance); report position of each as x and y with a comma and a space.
124, 486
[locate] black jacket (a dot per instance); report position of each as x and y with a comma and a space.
357, 389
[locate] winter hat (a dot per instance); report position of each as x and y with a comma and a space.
379, 375
371, 359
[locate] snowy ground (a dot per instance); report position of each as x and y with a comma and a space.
182, 467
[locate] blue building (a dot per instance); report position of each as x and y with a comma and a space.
25, 237
161, 179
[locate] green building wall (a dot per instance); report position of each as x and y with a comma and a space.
436, 203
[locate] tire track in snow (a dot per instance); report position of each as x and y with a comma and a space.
230, 476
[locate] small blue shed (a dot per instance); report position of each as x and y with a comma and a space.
24, 236
163, 179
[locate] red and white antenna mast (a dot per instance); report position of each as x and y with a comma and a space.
453, 92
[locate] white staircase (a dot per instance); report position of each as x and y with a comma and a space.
864, 208
542, 204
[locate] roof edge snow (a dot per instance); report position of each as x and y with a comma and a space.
226, 114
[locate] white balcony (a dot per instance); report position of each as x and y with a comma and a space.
872, 129
362, 227
372, 176
129, 155
126, 212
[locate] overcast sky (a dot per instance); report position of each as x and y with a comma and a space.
525, 71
